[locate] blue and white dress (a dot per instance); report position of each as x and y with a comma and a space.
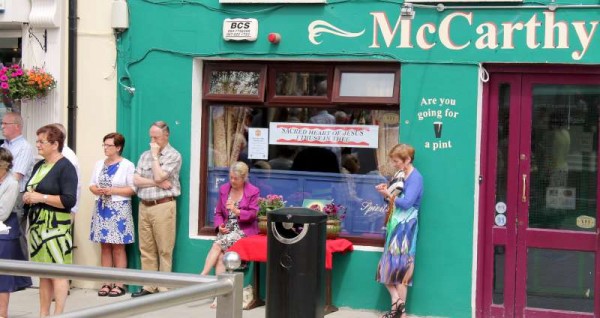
113, 221
401, 234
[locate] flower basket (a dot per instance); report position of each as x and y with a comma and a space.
17, 83
335, 214
265, 205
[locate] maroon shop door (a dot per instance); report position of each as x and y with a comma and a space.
539, 254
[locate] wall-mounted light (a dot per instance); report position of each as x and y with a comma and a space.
407, 12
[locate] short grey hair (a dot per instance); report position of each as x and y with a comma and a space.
240, 169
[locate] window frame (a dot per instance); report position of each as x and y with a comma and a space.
337, 82
309, 100
267, 83
233, 66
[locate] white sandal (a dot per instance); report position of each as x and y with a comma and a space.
214, 304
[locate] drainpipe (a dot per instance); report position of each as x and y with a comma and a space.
72, 77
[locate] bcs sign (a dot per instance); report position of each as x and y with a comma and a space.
240, 29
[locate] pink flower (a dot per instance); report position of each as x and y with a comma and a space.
4, 85
4, 78
270, 203
334, 211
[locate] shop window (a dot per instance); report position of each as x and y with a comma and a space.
362, 84
244, 82
346, 173
310, 84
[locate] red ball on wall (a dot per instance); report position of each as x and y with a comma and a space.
274, 38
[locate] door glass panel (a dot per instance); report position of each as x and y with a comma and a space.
502, 154
563, 157
562, 280
499, 261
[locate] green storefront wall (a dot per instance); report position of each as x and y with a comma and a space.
438, 84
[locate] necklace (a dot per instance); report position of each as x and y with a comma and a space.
110, 162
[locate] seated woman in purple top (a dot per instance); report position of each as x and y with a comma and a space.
235, 215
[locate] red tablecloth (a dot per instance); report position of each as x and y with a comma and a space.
254, 248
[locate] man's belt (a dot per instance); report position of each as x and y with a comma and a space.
155, 202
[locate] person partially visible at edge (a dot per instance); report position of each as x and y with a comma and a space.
112, 223
10, 248
70, 154
397, 263
50, 196
23, 155
157, 180
235, 216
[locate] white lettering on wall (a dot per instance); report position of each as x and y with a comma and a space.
585, 38
509, 29
382, 23
531, 27
489, 40
445, 30
392, 31
422, 38
562, 30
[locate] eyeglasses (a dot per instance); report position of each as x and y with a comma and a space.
5, 123
42, 142
107, 146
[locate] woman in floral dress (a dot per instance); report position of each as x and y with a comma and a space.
235, 216
112, 222
397, 263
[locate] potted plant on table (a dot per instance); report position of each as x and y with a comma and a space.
269, 203
335, 214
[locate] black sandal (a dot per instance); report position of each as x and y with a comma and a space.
117, 291
104, 290
398, 308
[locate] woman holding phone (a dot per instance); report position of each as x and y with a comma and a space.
397, 263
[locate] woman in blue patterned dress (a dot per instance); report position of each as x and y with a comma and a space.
397, 263
112, 224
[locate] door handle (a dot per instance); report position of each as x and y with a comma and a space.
524, 194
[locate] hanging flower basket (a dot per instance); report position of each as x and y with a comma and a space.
17, 84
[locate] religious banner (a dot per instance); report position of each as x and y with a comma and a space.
318, 135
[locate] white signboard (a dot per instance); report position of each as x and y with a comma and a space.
317, 135
240, 29
560, 198
258, 143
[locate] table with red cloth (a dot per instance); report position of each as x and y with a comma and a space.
254, 249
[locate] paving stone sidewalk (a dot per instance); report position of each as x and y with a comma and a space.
25, 304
